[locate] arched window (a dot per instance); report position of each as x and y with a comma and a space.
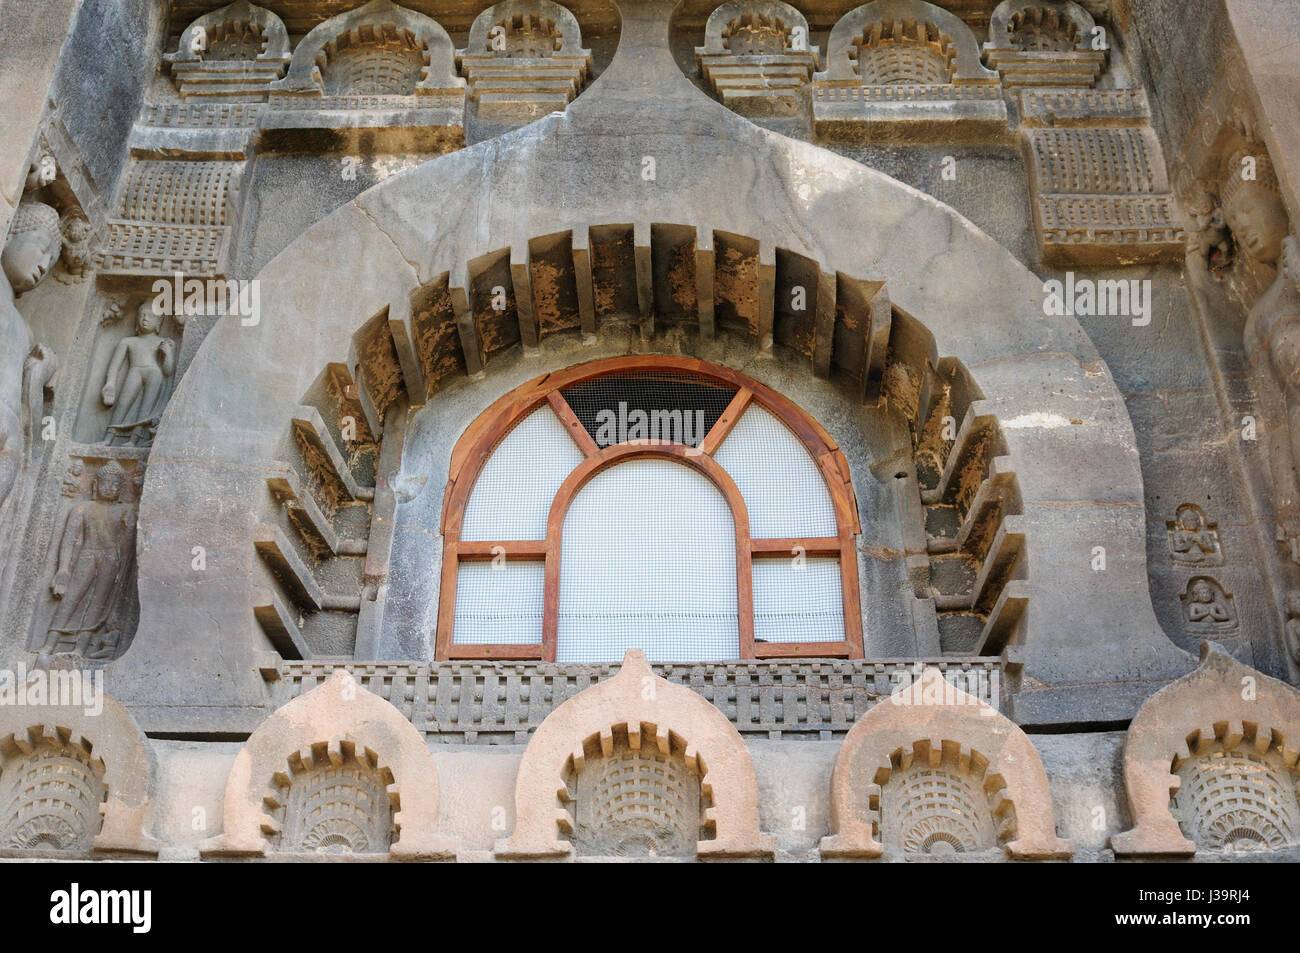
657, 503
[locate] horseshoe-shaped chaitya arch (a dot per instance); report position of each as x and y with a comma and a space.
936, 724
649, 711
396, 288
1221, 707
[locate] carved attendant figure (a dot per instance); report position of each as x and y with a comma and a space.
1204, 605
1292, 606
1190, 541
77, 247
1209, 246
94, 553
149, 360
40, 376
1254, 211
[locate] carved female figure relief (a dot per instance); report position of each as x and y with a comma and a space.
143, 364
94, 556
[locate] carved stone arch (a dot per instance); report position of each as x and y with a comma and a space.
241, 14
1223, 706
410, 282
539, 67
757, 56
1001, 23
384, 17
645, 709
51, 789
565, 24
115, 751
774, 13
335, 722
933, 719
966, 62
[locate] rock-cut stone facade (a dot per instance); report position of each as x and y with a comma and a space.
575, 430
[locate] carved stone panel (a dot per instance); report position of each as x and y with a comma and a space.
334, 803
905, 68
380, 66
232, 54
131, 375
1098, 179
1207, 608
524, 59
636, 802
50, 796
88, 610
174, 216
757, 57
1193, 538
1043, 43
1235, 799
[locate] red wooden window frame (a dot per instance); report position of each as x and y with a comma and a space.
491, 427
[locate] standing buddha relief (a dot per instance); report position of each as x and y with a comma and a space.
138, 381
94, 556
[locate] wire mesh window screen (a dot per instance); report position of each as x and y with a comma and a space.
516, 486
783, 489
499, 604
665, 406
798, 600
648, 561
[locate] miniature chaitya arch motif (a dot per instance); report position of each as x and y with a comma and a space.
1210, 764
636, 765
635, 794
51, 790
933, 770
333, 799
337, 770
656, 503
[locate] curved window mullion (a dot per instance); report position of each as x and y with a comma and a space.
780, 474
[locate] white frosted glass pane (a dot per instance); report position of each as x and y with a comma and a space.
514, 491
793, 604
648, 561
499, 604
782, 487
